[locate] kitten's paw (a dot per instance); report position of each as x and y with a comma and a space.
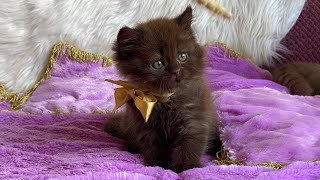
132, 148
179, 167
214, 147
112, 127
148, 162
305, 90
157, 159
160, 163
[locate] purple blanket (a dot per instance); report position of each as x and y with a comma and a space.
57, 132
261, 121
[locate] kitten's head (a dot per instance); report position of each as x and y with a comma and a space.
161, 54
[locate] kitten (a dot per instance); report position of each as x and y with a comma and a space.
162, 55
301, 78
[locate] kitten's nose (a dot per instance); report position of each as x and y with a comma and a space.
177, 74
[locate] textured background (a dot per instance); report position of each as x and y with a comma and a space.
303, 40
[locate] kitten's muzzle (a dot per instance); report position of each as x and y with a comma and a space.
177, 75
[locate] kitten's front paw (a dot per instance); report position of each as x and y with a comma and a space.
111, 130
164, 163
157, 158
132, 148
112, 127
179, 167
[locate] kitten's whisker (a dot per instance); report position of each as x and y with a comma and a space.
195, 69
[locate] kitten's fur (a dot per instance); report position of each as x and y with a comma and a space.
301, 78
182, 127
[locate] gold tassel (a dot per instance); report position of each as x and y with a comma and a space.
216, 8
223, 158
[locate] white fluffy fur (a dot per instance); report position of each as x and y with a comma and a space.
29, 28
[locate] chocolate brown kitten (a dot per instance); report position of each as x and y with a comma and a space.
301, 78
162, 55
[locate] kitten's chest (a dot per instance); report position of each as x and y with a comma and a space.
173, 113
176, 105
179, 105
167, 120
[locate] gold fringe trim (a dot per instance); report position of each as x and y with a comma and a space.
223, 158
82, 56
7, 97
73, 53
229, 51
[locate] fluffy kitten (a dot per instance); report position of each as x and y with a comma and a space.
301, 78
162, 55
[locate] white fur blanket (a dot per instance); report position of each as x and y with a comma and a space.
29, 28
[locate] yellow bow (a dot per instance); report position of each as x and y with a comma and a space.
144, 100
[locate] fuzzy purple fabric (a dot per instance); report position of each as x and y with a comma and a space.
74, 87
57, 133
261, 121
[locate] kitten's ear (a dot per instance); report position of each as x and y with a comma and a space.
185, 19
127, 40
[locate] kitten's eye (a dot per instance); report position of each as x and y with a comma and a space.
158, 65
183, 57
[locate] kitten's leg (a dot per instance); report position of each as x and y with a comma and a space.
214, 142
214, 146
117, 126
157, 156
293, 81
132, 147
113, 125
154, 152
190, 149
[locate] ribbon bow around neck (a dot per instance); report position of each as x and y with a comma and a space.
144, 100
